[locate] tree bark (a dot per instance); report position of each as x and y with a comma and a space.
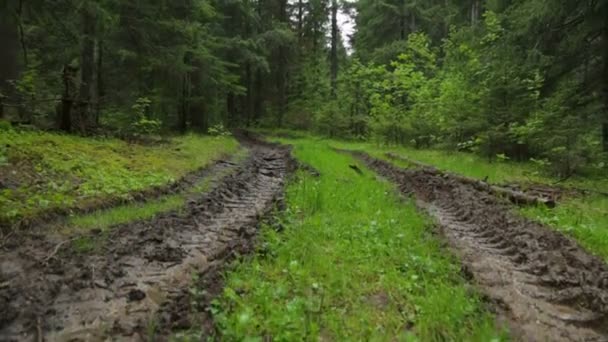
475, 9
9, 54
22, 34
282, 69
300, 20
67, 100
605, 79
100, 91
182, 125
87, 68
334, 48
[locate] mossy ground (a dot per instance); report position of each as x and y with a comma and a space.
40, 171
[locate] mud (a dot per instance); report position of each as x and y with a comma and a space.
545, 287
53, 294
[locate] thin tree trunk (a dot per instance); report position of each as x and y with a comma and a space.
258, 101
605, 79
300, 20
248, 95
87, 68
67, 99
231, 108
282, 69
22, 34
334, 48
475, 9
182, 125
100, 91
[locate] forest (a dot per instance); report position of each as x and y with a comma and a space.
298, 170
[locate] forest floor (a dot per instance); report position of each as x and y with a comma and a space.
233, 245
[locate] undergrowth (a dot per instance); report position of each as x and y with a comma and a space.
42, 171
354, 262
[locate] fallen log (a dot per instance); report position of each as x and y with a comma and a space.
517, 197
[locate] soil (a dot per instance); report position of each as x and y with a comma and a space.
545, 287
49, 292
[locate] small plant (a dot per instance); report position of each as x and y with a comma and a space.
218, 131
5, 125
142, 124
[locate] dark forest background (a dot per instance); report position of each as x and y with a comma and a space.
509, 79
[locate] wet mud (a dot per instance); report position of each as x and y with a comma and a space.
49, 292
544, 286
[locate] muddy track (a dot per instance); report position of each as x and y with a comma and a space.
140, 266
545, 286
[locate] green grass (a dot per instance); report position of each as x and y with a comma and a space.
583, 218
126, 213
353, 263
42, 171
104, 219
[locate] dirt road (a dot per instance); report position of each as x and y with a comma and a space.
47, 291
544, 285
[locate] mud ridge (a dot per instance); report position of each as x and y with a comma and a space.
113, 293
546, 287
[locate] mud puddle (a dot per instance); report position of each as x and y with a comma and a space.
545, 287
47, 292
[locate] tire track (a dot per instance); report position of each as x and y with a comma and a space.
544, 285
114, 293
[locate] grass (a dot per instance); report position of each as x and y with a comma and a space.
583, 218
41, 171
353, 263
104, 220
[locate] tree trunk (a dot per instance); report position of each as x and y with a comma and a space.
258, 101
100, 91
198, 108
248, 95
22, 34
87, 69
475, 9
231, 108
9, 52
605, 79
334, 48
67, 100
300, 20
282, 69
182, 124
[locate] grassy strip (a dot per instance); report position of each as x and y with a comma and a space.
104, 219
584, 219
354, 263
41, 171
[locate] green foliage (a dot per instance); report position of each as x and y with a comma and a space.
142, 125
297, 288
490, 88
219, 131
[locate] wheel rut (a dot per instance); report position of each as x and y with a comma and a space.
546, 287
113, 293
